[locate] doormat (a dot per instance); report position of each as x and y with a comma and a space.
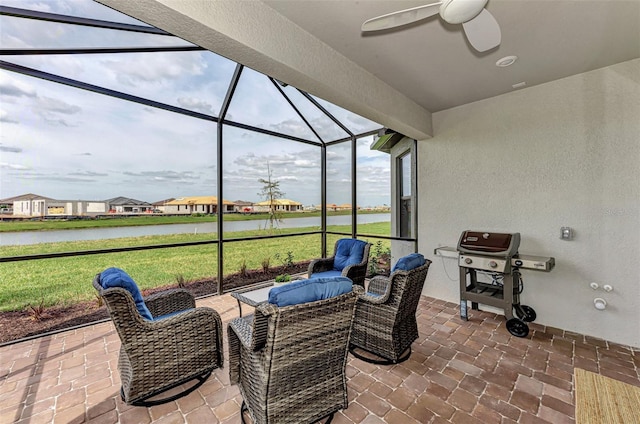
603, 400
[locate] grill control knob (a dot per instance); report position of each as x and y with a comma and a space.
468, 261
493, 264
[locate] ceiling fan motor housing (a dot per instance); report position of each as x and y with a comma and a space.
460, 11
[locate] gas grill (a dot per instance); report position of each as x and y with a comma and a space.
495, 256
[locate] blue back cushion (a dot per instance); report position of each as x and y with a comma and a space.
348, 252
115, 277
325, 274
304, 291
409, 262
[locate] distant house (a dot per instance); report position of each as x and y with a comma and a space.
281, 205
36, 205
27, 204
197, 204
343, 207
242, 206
126, 205
161, 204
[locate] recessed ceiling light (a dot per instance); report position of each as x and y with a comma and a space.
506, 61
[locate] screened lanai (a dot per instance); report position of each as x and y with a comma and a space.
97, 105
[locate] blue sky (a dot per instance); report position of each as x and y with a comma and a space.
66, 143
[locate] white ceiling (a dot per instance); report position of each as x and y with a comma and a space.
432, 63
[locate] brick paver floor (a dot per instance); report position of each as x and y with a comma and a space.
459, 372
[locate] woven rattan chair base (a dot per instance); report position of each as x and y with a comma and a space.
147, 403
243, 409
384, 361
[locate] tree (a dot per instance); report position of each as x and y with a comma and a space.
271, 192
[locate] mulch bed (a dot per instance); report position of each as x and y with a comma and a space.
22, 324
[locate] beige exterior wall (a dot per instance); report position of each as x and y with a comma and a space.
566, 153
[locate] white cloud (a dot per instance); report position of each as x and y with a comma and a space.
5, 117
153, 69
199, 105
10, 149
13, 166
51, 105
10, 87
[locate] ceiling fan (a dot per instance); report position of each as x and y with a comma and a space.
480, 27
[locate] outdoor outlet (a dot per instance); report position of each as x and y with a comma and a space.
566, 233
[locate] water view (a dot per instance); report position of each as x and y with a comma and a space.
34, 237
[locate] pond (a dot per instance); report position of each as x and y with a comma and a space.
34, 237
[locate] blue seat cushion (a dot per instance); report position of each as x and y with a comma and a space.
115, 277
348, 252
304, 291
409, 262
326, 274
169, 315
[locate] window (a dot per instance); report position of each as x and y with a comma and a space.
404, 192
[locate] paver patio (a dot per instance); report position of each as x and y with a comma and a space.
459, 372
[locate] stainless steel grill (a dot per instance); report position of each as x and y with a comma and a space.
495, 255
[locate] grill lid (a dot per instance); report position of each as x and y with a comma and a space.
491, 244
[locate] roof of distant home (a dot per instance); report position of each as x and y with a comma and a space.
28, 196
122, 201
283, 202
163, 202
198, 200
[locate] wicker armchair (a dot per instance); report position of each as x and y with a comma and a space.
160, 354
385, 323
290, 362
343, 249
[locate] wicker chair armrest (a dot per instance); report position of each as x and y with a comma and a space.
380, 285
320, 265
169, 301
261, 325
242, 329
350, 269
359, 291
372, 299
239, 333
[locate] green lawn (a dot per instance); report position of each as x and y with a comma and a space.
67, 280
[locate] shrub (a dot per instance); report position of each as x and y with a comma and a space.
243, 268
380, 260
287, 261
180, 281
283, 278
37, 312
266, 262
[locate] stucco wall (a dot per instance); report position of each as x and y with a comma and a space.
566, 153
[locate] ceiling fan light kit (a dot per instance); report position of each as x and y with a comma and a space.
456, 12
480, 27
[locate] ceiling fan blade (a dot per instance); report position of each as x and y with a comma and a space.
402, 17
483, 31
